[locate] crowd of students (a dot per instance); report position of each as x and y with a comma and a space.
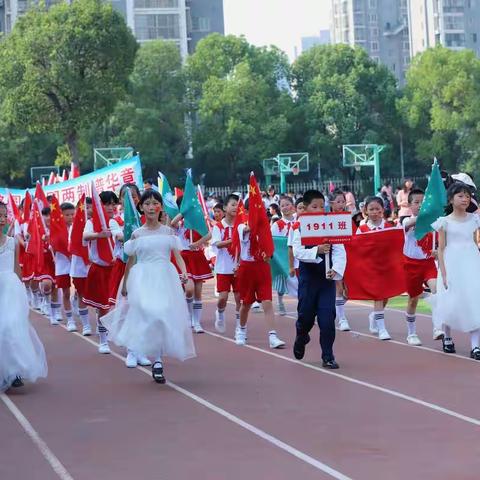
148, 293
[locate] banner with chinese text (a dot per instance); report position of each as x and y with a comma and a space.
107, 178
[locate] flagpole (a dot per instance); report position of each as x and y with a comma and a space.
327, 264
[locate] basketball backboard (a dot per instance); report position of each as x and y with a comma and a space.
104, 157
38, 173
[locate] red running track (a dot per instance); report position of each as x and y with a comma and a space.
391, 411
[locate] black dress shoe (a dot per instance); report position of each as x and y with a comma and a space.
157, 373
475, 353
17, 383
299, 346
448, 347
331, 364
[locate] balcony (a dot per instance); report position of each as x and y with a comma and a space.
392, 31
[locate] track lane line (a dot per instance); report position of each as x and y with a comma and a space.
46, 452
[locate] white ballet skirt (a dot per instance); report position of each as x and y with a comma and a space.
459, 305
21, 351
153, 320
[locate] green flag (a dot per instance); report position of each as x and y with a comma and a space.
433, 204
191, 209
279, 263
130, 217
169, 204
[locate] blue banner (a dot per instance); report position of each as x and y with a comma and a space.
107, 178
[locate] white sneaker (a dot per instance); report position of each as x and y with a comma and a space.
372, 323
274, 341
71, 326
241, 337
131, 361
438, 334
219, 323
281, 309
59, 315
383, 334
143, 361
86, 330
343, 325
53, 321
74, 302
197, 328
414, 340
104, 348
44, 309
257, 307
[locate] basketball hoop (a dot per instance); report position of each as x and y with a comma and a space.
295, 170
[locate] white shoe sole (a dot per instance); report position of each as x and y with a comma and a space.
384, 336
439, 335
414, 343
87, 333
277, 345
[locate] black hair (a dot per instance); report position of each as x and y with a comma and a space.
372, 199
4, 205
404, 187
276, 208
108, 197
132, 186
147, 195
453, 190
148, 180
298, 201
50, 198
46, 211
88, 201
310, 195
345, 188
332, 196
218, 206
414, 191
66, 206
246, 203
232, 196
179, 201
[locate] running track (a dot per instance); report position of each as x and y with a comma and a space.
390, 412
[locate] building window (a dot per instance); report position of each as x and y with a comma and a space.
474, 37
455, 40
406, 60
150, 27
201, 24
360, 34
374, 32
156, 3
454, 22
372, 18
375, 59
406, 45
372, 3
374, 47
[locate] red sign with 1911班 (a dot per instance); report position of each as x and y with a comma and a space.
320, 228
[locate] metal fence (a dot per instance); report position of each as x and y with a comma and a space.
360, 187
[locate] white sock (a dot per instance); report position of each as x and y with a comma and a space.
280, 299
221, 314
83, 312
340, 307
54, 309
448, 333
237, 318
102, 332
158, 360
411, 327
475, 338
197, 311
69, 315
272, 332
190, 307
379, 319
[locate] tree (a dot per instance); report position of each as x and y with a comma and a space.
240, 105
152, 117
345, 98
64, 69
441, 105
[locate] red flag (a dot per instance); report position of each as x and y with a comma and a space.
27, 207
12, 210
178, 192
261, 241
51, 178
375, 265
58, 229
242, 217
35, 243
204, 208
76, 239
331, 187
64, 176
100, 223
74, 170
40, 196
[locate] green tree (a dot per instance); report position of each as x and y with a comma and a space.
152, 117
64, 69
344, 98
441, 104
240, 105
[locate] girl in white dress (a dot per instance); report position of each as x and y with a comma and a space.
457, 300
22, 356
151, 317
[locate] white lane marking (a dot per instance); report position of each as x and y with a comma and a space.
49, 456
372, 386
238, 421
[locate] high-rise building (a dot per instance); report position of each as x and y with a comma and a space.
184, 22
379, 26
322, 39
455, 24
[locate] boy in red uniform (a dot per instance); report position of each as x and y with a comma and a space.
222, 234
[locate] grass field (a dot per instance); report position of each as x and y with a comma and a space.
401, 304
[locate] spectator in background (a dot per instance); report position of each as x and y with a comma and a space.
350, 199
388, 190
272, 197
218, 212
402, 200
274, 212
149, 184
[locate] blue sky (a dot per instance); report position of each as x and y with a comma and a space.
278, 22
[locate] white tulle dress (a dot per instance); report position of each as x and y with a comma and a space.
153, 319
459, 305
21, 351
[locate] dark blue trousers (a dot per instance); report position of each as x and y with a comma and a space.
316, 298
